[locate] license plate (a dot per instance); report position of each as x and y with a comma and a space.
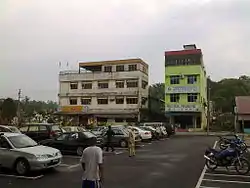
55, 160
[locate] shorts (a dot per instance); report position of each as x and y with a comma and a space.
91, 184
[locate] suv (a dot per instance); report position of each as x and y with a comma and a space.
41, 131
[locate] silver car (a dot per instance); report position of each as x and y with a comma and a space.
22, 154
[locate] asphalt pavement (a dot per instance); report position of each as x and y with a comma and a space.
174, 163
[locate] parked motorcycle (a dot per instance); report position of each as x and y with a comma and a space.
224, 143
232, 156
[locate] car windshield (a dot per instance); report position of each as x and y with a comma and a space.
89, 134
22, 141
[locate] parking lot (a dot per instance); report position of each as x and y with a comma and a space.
222, 178
157, 164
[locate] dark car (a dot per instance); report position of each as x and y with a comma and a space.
120, 138
72, 142
7, 128
41, 131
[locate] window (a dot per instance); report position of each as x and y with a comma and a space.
119, 68
108, 69
86, 85
73, 101
132, 83
119, 100
86, 101
144, 69
4, 143
33, 128
62, 137
191, 79
24, 129
144, 84
192, 97
102, 101
118, 132
132, 67
43, 128
174, 97
174, 79
102, 85
119, 84
131, 100
73, 85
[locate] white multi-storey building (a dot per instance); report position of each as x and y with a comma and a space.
106, 91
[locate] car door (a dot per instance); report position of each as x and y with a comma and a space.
33, 132
119, 135
73, 142
43, 133
7, 158
59, 142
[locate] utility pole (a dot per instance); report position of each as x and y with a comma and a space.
18, 107
208, 109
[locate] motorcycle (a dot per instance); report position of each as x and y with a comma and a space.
232, 156
224, 143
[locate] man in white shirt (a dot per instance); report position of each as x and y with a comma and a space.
92, 161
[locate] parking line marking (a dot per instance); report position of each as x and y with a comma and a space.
227, 181
227, 175
72, 156
203, 172
208, 187
73, 166
21, 177
64, 165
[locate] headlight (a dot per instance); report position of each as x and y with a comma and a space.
41, 157
58, 154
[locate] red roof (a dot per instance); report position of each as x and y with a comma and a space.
183, 52
243, 104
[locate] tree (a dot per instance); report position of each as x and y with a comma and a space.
9, 109
156, 103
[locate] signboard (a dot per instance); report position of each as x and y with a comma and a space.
182, 107
73, 109
182, 89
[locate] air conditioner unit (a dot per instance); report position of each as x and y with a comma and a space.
112, 99
182, 76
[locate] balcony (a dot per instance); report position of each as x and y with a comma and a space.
182, 108
69, 76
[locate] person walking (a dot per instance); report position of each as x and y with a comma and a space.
92, 165
110, 134
131, 143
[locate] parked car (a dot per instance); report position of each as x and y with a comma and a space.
41, 131
11, 129
145, 135
73, 129
120, 138
22, 154
72, 142
153, 131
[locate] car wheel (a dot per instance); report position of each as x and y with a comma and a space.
123, 144
22, 166
79, 151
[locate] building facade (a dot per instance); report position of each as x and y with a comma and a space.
106, 91
186, 88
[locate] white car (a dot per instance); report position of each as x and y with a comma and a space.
22, 154
144, 134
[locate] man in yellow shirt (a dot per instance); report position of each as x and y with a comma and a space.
131, 143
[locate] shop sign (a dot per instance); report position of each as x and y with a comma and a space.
73, 109
182, 89
182, 107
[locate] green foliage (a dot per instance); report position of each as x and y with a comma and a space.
223, 92
8, 109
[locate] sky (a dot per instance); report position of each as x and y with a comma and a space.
36, 35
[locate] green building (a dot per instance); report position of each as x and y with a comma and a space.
186, 88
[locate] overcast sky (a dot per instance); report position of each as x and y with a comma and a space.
36, 35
